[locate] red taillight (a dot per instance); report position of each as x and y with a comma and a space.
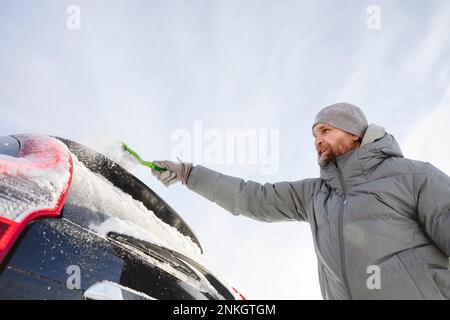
32, 185
3, 228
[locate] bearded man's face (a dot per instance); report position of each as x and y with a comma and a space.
331, 143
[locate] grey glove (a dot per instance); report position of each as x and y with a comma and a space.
175, 172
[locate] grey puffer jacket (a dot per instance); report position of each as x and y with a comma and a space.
380, 222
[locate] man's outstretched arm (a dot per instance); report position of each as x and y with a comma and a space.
283, 201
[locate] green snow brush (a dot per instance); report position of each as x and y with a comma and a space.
142, 162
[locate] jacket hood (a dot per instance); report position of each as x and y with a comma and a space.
352, 167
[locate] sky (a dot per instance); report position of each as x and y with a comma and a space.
146, 72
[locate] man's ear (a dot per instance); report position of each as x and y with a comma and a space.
356, 138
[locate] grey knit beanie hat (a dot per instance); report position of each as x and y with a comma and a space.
344, 116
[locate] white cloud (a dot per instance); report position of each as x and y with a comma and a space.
434, 46
428, 138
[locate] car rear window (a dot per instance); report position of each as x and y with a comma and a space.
95, 203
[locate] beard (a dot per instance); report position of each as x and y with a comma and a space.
330, 154
327, 156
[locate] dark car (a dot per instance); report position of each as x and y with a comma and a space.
63, 236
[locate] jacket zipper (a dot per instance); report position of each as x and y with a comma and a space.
341, 237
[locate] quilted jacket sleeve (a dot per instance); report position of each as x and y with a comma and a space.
282, 201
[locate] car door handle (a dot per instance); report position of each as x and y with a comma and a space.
107, 290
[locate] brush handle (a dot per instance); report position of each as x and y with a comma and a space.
153, 166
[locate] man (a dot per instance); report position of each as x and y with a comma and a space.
380, 222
